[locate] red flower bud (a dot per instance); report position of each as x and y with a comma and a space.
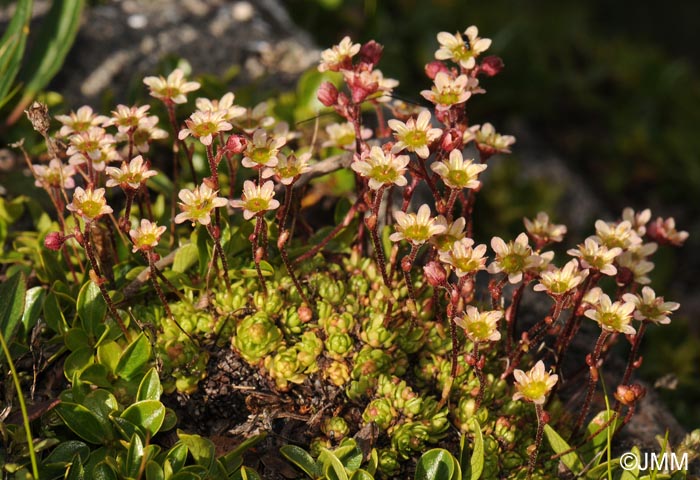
54, 241
435, 273
327, 94
490, 66
435, 67
236, 144
451, 140
371, 52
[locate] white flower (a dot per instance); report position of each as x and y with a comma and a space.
415, 135
513, 258
635, 260
464, 258
448, 91
416, 228
256, 200
480, 326
638, 220
204, 125
172, 89
664, 232
487, 140
382, 168
559, 281
613, 317
146, 131
342, 135
289, 167
616, 235
79, 121
596, 256
262, 150
146, 236
454, 232
458, 173
198, 204
93, 145
543, 231
127, 118
460, 50
89, 204
55, 174
650, 307
224, 107
339, 56
534, 385
131, 175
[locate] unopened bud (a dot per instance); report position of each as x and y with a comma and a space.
451, 140
435, 67
371, 52
406, 264
327, 94
259, 254
282, 239
371, 222
490, 66
54, 241
236, 144
435, 273
305, 313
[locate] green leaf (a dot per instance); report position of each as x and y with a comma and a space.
91, 307
49, 49
150, 387
435, 464
103, 471
76, 471
108, 354
82, 422
332, 466
202, 449
177, 456
96, 374
12, 293
33, 304
349, 455
185, 257
66, 451
53, 314
134, 358
362, 475
102, 403
78, 361
52, 269
476, 463
146, 414
12, 47
559, 445
302, 459
134, 456
633, 473
601, 438
245, 473
154, 471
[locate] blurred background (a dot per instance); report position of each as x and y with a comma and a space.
603, 97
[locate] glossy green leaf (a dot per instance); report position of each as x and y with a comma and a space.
12, 47
185, 257
170, 420
559, 445
134, 456
96, 374
65, 451
134, 358
108, 354
146, 414
33, 304
201, 449
102, 403
150, 387
76, 339
436, 464
362, 475
76, 471
103, 471
154, 471
82, 422
302, 459
78, 361
349, 455
53, 314
12, 293
476, 462
177, 456
91, 307
53, 270
333, 468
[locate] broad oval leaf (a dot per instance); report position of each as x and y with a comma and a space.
150, 387
362, 475
33, 304
12, 293
91, 307
435, 464
82, 422
134, 358
103, 471
78, 361
202, 449
185, 257
66, 451
154, 471
302, 459
333, 468
147, 414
